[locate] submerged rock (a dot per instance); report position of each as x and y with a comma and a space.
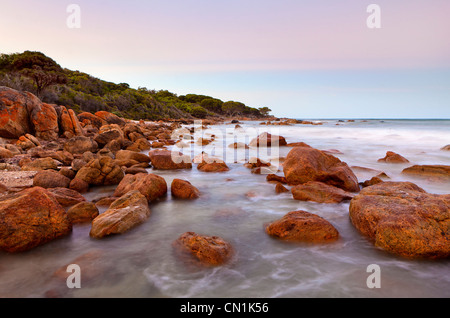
123, 214
439, 171
208, 250
320, 192
392, 157
82, 212
302, 226
267, 140
183, 189
31, 218
404, 219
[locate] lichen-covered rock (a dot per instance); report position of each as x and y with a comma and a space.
150, 185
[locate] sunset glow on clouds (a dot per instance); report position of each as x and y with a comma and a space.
319, 53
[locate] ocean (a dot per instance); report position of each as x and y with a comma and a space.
236, 205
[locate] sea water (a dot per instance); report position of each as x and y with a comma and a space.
236, 205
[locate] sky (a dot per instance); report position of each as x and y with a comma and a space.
303, 59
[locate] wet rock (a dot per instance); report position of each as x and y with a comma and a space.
319, 192
302, 226
169, 160
446, 148
207, 250
438, 171
125, 213
238, 145
298, 144
82, 212
50, 179
216, 166
403, 219
31, 218
150, 185
392, 157
183, 189
305, 164
279, 188
79, 185
267, 140
274, 178
372, 181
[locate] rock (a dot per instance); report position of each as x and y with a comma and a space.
110, 118
305, 164
216, 166
302, 226
372, 181
132, 155
438, 171
5, 153
68, 122
27, 142
274, 178
66, 197
183, 189
169, 160
150, 185
108, 133
392, 157
238, 145
14, 115
44, 119
82, 212
298, 144
90, 119
207, 250
446, 148
31, 218
79, 185
135, 170
50, 179
125, 213
139, 145
101, 171
267, 140
279, 188
40, 164
403, 219
67, 172
319, 192
80, 145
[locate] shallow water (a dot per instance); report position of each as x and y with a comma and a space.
141, 263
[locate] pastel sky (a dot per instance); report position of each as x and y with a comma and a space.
303, 59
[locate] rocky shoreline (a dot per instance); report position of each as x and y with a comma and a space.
50, 157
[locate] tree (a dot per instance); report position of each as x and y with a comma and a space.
264, 111
212, 104
233, 108
199, 112
42, 70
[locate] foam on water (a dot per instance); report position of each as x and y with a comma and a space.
141, 262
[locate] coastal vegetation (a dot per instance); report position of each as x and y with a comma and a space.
39, 74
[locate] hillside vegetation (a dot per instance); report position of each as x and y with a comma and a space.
39, 74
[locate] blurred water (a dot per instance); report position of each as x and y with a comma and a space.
141, 263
